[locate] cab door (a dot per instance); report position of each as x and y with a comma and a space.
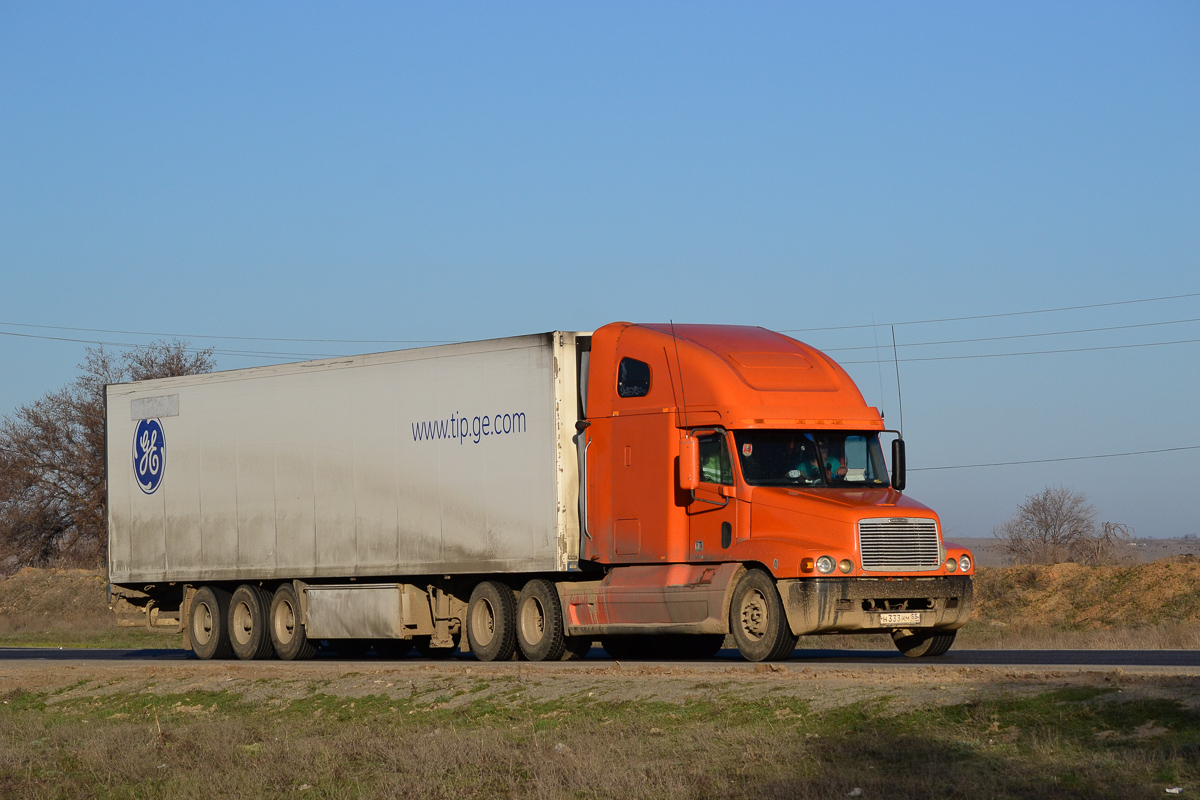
713, 511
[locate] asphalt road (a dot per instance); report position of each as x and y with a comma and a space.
890, 658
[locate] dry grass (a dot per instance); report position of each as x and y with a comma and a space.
499, 738
1071, 596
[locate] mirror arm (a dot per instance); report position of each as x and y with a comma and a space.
710, 502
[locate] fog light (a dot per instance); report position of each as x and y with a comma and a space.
806, 565
964, 563
824, 565
845, 565
951, 565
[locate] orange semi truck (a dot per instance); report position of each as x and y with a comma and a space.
653, 487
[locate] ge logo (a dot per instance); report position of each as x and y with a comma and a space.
149, 454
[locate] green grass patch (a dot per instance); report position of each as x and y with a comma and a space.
475, 740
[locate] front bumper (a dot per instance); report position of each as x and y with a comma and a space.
849, 605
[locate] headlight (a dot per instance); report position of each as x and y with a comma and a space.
964, 563
824, 565
951, 565
845, 565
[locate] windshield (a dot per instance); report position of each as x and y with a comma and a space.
810, 458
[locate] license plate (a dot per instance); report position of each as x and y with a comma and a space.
906, 618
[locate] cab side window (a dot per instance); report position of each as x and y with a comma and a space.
714, 460
633, 378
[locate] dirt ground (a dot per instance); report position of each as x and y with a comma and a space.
824, 687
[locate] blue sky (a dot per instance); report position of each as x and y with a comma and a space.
428, 172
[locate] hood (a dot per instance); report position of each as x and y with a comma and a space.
787, 513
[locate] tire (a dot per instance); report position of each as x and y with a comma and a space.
249, 629
425, 650
208, 620
758, 621
540, 633
492, 622
925, 644
287, 632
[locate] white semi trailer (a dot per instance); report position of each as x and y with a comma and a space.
339, 478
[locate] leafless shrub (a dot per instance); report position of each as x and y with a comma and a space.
1057, 525
52, 458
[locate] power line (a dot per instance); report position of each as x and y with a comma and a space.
1004, 314
232, 338
1021, 335
454, 341
244, 353
1034, 352
1052, 460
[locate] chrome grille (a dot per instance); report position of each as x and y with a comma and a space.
898, 544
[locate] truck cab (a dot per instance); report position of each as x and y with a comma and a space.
720, 445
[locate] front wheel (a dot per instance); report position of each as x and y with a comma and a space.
923, 644
758, 621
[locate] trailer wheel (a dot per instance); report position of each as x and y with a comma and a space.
208, 616
287, 632
492, 622
758, 621
248, 626
540, 622
924, 644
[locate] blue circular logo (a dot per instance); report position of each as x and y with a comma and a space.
149, 454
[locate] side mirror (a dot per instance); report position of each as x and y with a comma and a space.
898, 465
689, 464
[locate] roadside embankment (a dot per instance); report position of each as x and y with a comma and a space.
1143, 606
66, 608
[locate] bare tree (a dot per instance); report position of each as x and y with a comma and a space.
1058, 524
1110, 545
52, 458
